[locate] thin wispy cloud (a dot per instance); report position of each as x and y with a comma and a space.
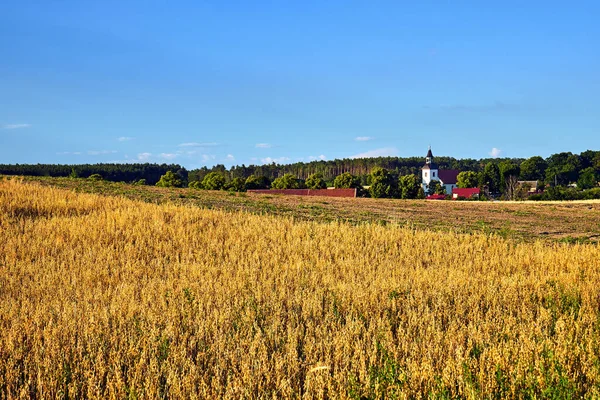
101, 152
263, 145
315, 158
363, 138
277, 160
383, 152
16, 126
497, 106
230, 158
495, 152
66, 153
196, 144
168, 156
208, 157
124, 139
144, 156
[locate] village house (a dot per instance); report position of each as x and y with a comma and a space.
431, 172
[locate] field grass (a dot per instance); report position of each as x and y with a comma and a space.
577, 221
107, 297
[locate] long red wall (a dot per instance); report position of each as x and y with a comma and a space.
309, 192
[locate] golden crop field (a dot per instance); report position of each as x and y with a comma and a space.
105, 297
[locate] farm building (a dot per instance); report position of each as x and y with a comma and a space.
431, 172
467, 193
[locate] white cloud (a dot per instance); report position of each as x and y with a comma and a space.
363, 138
208, 157
495, 153
168, 156
99, 152
263, 145
144, 156
65, 153
277, 160
124, 139
195, 144
383, 152
314, 158
230, 157
16, 126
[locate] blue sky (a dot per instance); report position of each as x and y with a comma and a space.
232, 82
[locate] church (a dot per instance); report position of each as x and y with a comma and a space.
431, 172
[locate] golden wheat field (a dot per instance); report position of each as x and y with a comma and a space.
104, 297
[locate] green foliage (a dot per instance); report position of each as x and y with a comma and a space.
346, 181
195, 185
491, 178
73, 173
287, 181
257, 182
95, 177
140, 182
214, 181
467, 179
435, 187
408, 187
236, 185
316, 181
383, 183
588, 179
420, 193
533, 168
170, 179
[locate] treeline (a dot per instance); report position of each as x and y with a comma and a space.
149, 173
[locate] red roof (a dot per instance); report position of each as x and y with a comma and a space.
436, 197
466, 193
448, 176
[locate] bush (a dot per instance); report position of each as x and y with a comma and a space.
214, 181
95, 177
316, 181
236, 185
195, 185
257, 182
170, 179
287, 181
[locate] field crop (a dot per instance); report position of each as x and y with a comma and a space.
568, 221
107, 297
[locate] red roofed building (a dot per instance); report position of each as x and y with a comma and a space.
465, 193
431, 172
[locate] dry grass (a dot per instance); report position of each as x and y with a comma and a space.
106, 297
570, 221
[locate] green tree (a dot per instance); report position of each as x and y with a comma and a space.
237, 184
420, 193
347, 181
214, 181
254, 182
466, 179
316, 181
382, 183
170, 179
491, 177
588, 178
408, 186
287, 181
533, 169
95, 177
435, 187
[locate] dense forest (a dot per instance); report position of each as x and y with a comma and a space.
151, 173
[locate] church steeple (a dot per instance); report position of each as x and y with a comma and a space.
429, 160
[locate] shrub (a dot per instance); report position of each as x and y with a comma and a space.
170, 179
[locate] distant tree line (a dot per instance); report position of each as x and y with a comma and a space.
110, 172
568, 175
